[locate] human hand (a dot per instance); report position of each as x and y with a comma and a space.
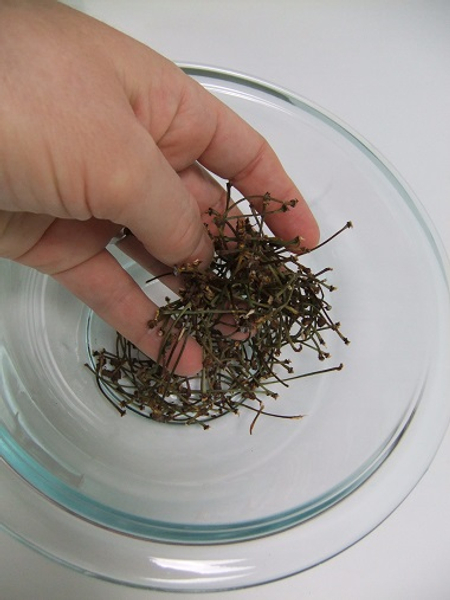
99, 132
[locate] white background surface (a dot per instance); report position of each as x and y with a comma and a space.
383, 67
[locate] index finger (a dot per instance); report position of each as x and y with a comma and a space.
241, 155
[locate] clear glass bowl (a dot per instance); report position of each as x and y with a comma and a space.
178, 508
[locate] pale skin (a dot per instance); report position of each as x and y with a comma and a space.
98, 132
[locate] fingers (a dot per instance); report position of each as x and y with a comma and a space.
101, 283
210, 194
73, 253
238, 153
226, 145
203, 129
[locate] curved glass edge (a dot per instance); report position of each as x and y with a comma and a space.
226, 567
93, 511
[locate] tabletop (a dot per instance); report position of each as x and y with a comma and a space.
382, 68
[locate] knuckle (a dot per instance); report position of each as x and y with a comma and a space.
121, 180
